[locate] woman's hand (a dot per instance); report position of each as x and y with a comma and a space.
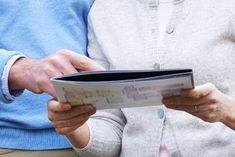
71, 121
205, 102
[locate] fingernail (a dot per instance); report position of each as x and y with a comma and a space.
66, 106
91, 107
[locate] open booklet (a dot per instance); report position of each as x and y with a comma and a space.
122, 89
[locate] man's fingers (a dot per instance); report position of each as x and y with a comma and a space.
51, 91
85, 64
45, 83
74, 121
81, 62
63, 65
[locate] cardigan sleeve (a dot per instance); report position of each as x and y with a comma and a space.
106, 128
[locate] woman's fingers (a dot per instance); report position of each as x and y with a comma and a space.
74, 121
198, 96
59, 111
181, 100
55, 106
205, 102
199, 91
208, 116
193, 109
74, 112
65, 118
209, 113
68, 130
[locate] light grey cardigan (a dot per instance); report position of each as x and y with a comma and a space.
201, 35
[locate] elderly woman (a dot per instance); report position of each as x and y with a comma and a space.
150, 34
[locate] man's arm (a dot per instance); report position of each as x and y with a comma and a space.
35, 75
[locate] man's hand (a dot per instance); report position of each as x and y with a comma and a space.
205, 102
35, 75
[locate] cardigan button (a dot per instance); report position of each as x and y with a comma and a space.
160, 113
170, 30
